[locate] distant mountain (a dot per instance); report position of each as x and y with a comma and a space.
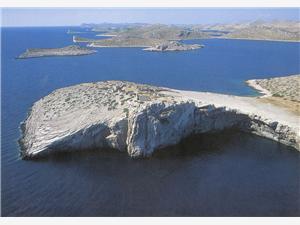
140, 35
274, 30
107, 27
262, 30
165, 32
151, 35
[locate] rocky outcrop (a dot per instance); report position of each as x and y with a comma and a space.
158, 125
138, 119
72, 50
173, 46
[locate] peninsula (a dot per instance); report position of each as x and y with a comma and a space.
158, 46
281, 91
72, 50
140, 119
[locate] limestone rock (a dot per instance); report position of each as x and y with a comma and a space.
112, 114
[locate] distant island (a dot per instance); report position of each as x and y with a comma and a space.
152, 35
72, 50
162, 38
173, 46
75, 32
257, 30
157, 47
157, 37
140, 119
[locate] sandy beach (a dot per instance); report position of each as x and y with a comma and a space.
247, 105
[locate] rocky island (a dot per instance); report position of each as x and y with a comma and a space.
173, 46
139, 119
72, 50
147, 44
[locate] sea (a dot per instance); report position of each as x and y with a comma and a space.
226, 174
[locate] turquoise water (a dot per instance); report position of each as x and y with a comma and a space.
241, 175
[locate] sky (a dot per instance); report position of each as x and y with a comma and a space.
76, 16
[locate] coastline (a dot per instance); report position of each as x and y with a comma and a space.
106, 35
268, 97
91, 45
253, 84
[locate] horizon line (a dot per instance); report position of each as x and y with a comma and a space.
78, 25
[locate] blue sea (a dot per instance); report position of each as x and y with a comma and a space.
228, 174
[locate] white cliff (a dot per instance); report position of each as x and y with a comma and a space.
140, 119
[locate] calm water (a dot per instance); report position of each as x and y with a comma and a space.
237, 175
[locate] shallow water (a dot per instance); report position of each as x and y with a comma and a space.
219, 175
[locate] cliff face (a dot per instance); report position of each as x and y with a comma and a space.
158, 125
135, 118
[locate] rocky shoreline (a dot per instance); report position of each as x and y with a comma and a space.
173, 46
281, 91
257, 87
72, 50
148, 44
140, 119
285, 87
